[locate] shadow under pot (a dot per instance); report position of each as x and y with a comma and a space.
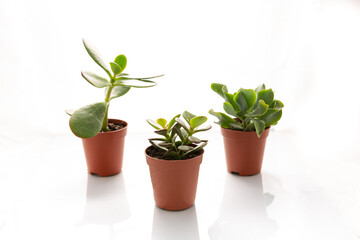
174, 181
244, 151
104, 152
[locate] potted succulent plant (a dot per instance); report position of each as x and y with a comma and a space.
174, 160
103, 138
245, 131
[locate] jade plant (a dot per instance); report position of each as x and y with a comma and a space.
250, 110
89, 120
177, 139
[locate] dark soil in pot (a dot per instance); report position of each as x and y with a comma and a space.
159, 154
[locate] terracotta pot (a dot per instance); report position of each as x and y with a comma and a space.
244, 151
104, 152
174, 181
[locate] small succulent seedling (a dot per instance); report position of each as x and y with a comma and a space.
254, 110
178, 139
88, 121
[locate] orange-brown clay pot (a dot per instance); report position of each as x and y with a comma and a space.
104, 152
174, 181
244, 151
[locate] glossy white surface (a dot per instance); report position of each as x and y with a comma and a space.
46, 193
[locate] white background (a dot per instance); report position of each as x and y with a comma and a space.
307, 51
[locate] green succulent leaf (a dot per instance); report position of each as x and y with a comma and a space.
259, 126
171, 123
229, 109
188, 116
185, 148
241, 102
162, 122
181, 122
260, 87
194, 139
121, 83
86, 122
157, 139
203, 129
121, 61
92, 51
224, 120
267, 95
276, 104
197, 148
153, 124
218, 88
181, 134
156, 145
236, 126
249, 96
197, 121
271, 117
118, 91
95, 80
230, 99
116, 69
260, 110
165, 144
162, 132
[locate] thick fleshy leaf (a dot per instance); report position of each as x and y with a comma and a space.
224, 120
121, 83
87, 121
259, 126
197, 121
218, 88
171, 123
194, 139
156, 145
181, 122
95, 80
121, 61
162, 132
197, 148
260, 110
260, 87
271, 117
153, 124
185, 148
157, 139
240, 102
267, 95
229, 109
162, 122
165, 144
250, 97
188, 116
230, 99
92, 51
116, 69
236, 126
276, 104
119, 91
182, 135
206, 128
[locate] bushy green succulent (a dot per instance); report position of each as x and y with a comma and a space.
88, 121
178, 139
250, 110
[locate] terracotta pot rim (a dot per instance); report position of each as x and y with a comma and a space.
173, 161
245, 132
116, 131
230, 133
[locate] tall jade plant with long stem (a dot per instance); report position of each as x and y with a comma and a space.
88, 121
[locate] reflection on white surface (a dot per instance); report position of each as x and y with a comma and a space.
181, 225
106, 201
243, 210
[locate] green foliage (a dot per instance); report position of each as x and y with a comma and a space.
250, 110
177, 140
88, 121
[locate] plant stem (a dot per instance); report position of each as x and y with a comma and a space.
105, 127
